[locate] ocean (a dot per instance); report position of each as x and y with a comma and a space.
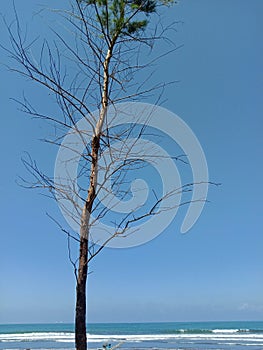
141, 336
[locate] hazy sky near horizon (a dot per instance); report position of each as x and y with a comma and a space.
214, 272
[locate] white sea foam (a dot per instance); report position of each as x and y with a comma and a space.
225, 330
36, 336
225, 335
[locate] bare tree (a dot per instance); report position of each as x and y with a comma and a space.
93, 65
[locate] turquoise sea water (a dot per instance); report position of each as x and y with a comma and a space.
179, 336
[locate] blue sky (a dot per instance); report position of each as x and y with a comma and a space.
214, 272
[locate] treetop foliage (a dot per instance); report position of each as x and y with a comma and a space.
124, 17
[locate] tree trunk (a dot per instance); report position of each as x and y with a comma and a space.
80, 312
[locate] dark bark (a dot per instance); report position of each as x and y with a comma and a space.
80, 313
